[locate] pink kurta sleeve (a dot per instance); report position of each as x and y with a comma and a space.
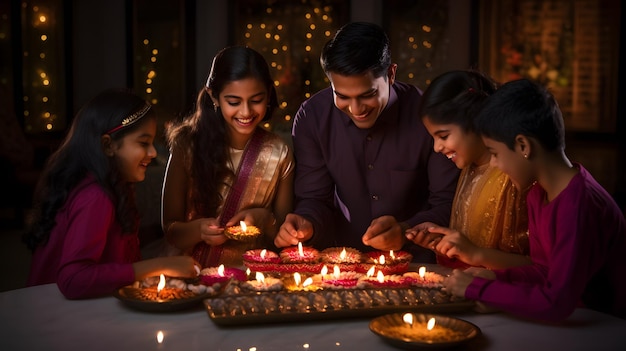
94, 259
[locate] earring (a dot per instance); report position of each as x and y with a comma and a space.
525, 156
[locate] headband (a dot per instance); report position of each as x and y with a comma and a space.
131, 119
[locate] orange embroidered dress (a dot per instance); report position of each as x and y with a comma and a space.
490, 211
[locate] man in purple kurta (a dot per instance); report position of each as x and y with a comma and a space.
365, 166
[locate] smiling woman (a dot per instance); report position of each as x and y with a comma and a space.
224, 168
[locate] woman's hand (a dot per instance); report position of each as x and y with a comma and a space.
453, 244
421, 235
210, 231
260, 217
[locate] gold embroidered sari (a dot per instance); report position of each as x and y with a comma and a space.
489, 211
273, 163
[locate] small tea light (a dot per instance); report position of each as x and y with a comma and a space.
299, 285
263, 283
418, 329
242, 232
221, 274
377, 278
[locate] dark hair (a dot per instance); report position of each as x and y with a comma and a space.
522, 107
456, 97
81, 154
357, 48
203, 133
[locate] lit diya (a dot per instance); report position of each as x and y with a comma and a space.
242, 232
297, 283
299, 259
163, 292
422, 278
378, 279
264, 283
338, 279
221, 274
260, 260
347, 258
389, 262
416, 329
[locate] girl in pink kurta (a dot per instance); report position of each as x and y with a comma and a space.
84, 232
577, 232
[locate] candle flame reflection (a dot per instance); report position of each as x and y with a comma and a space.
431, 324
297, 278
260, 277
159, 337
408, 318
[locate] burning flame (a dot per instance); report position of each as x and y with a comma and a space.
343, 254
263, 253
380, 277
370, 272
307, 282
393, 257
324, 271
422, 272
300, 249
297, 278
336, 272
243, 226
220, 270
381, 260
161, 284
408, 318
260, 277
431, 324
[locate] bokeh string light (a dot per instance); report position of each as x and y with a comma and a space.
290, 35
43, 76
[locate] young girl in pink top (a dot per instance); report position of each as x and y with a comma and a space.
84, 231
577, 232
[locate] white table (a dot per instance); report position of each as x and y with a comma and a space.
40, 318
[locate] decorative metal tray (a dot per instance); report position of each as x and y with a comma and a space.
282, 306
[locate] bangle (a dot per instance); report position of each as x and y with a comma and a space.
273, 219
169, 227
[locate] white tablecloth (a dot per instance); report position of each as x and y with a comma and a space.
40, 318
